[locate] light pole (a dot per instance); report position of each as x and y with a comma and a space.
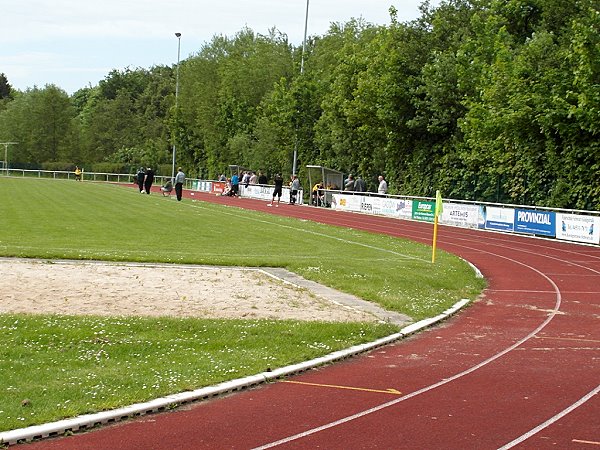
6, 144
178, 35
304, 41
301, 72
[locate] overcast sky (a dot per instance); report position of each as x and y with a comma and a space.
76, 43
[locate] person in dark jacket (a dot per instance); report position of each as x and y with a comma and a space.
262, 178
140, 176
148, 180
277, 191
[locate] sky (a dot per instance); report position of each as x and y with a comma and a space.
76, 43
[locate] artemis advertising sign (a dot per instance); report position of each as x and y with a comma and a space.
535, 222
461, 215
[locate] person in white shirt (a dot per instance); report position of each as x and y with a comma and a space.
382, 189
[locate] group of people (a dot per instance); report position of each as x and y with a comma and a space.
294, 185
232, 186
355, 185
359, 185
145, 179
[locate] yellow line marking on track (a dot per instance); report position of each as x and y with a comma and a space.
568, 339
586, 442
384, 391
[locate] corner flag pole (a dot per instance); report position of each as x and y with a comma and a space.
438, 212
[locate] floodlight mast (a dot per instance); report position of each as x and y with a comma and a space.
295, 162
178, 36
6, 144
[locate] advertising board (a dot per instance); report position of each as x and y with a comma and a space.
460, 215
578, 228
423, 210
535, 222
494, 218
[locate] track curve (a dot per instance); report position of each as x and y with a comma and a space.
518, 369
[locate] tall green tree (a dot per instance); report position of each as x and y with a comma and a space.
42, 122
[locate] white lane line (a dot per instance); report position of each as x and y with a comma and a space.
435, 385
552, 420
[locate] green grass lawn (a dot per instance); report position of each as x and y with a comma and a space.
64, 366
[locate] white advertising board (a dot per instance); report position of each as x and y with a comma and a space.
578, 228
382, 206
460, 215
345, 202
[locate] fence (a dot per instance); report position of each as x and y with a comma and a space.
562, 224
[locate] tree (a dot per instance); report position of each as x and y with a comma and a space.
42, 121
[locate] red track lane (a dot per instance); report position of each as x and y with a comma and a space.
518, 369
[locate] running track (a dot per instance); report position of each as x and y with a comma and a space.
518, 369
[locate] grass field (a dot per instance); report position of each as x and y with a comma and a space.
55, 367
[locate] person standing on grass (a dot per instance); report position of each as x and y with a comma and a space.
278, 190
179, 180
139, 178
148, 180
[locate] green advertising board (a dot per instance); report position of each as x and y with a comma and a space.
423, 211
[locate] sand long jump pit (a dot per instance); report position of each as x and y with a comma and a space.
121, 289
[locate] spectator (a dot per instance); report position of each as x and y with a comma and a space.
349, 183
359, 185
148, 180
278, 190
77, 173
222, 177
246, 179
179, 180
140, 178
262, 178
318, 194
382, 189
294, 188
167, 188
227, 189
253, 178
235, 185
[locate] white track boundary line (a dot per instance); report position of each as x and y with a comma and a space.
439, 383
552, 420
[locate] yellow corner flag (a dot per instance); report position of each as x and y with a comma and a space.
439, 209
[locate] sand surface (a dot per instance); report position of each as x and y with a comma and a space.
92, 288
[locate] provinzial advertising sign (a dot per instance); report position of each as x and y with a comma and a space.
494, 218
578, 228
423, 211
535, 222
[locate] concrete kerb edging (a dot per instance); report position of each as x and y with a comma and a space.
91, 420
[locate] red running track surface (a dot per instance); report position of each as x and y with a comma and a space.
520, 368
